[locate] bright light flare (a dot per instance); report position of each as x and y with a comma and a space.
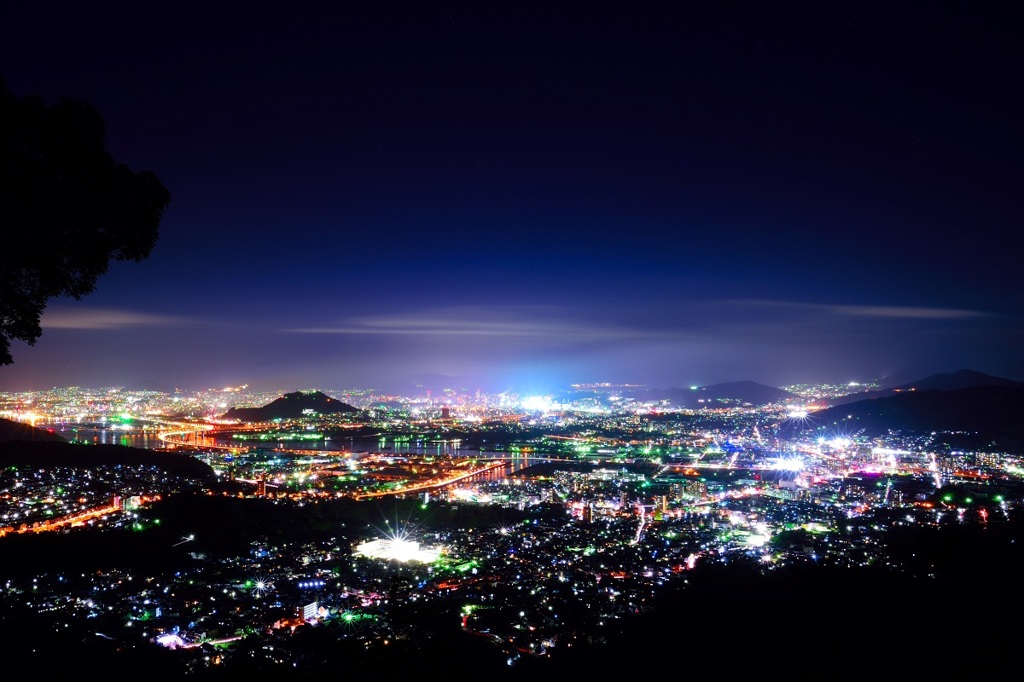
537, 403
170, 640
787, 464
393, 549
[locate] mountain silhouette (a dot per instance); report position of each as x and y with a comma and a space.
423, 382
150, 385
903, 377
983, 417
291, 406
728, 394
964, 378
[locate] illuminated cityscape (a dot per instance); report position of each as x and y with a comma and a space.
489, 341
541, 523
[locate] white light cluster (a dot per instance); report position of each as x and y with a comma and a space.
397, 550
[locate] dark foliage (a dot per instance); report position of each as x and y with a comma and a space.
67, 209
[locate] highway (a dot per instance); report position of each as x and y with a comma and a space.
77, 519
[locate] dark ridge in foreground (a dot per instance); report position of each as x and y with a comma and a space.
15, 430
64, 454
730, 620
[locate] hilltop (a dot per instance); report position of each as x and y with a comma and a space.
728, 394
964, 378
977, 417
291, 406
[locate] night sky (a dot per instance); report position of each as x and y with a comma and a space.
526, 198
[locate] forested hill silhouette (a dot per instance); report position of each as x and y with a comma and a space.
64, 454
977, 417
964, 378
291, 406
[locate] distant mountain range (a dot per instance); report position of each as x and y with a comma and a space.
964, 378
150, 385
965, 409
419, 384
291, 406
729, 394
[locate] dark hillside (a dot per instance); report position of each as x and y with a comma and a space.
14, 430
984, 415
61, 453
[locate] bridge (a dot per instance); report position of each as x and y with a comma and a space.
417, 487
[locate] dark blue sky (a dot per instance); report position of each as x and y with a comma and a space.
532, 197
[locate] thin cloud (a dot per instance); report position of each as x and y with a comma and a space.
536, 321
106, 318
899, 312
910, 313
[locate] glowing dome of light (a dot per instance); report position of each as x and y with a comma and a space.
397, 550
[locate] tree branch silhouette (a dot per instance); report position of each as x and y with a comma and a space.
67, 209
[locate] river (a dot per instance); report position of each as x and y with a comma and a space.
149, 440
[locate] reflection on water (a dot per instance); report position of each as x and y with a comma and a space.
452, 449
148, 439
